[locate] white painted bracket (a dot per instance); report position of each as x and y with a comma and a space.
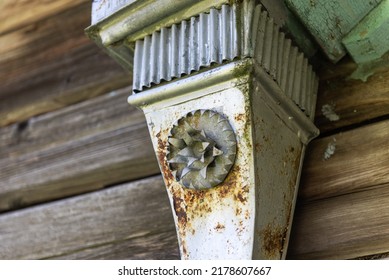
228, 58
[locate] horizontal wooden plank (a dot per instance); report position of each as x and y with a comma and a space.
84, 147
18, 13
158, 246
343, 227
360, 160
115, 223
352, 101
78, 75
53, 66
31, 46
53, 129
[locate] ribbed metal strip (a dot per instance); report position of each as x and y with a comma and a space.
185, 47
213, 38
283, 61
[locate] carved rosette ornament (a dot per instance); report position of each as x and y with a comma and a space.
201, 150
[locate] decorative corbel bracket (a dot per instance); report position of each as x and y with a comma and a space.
229, 103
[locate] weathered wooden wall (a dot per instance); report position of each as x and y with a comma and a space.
79, 179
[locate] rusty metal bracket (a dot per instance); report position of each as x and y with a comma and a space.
229, 103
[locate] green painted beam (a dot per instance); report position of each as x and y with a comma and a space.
369, 40
330, 20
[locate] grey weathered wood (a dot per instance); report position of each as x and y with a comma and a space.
125, 221
17, 13
158, 246
360, 161
52, 64
353, 101
107, 112
346, 226
83, 147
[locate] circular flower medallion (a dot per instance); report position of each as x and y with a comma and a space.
201, 150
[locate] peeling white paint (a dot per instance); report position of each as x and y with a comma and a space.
330, 150
329, 112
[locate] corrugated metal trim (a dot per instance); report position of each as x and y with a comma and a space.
213, 38
185, 47
283, 61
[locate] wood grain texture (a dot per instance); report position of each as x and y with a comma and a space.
158, 246
88, 118
18, 13
353, 101
53, 64
360, 161
115, 223
343, 227
77, 149
25, 48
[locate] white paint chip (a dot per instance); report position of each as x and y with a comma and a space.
330, 150
329, 112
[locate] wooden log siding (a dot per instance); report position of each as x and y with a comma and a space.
360, 161
81, 148
344, 227
18, 13
115, 223
50, 64
353, 101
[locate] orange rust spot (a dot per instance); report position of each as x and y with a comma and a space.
219, 227
274, 240
241, 194
240, 117
161, 154
247, 214
184, 249
240, 228
180, 211
238, 211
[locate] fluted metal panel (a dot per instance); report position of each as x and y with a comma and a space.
284, 63
185, 47
212, 38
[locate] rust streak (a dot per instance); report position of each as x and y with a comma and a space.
274, 239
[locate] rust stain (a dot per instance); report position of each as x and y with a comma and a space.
179, 204
241, 195
274, 240
190, 205
161, 153
240, 117
247, 214
180, 210
240, 229
220, 227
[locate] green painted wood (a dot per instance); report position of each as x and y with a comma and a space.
329, 21
369, 40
